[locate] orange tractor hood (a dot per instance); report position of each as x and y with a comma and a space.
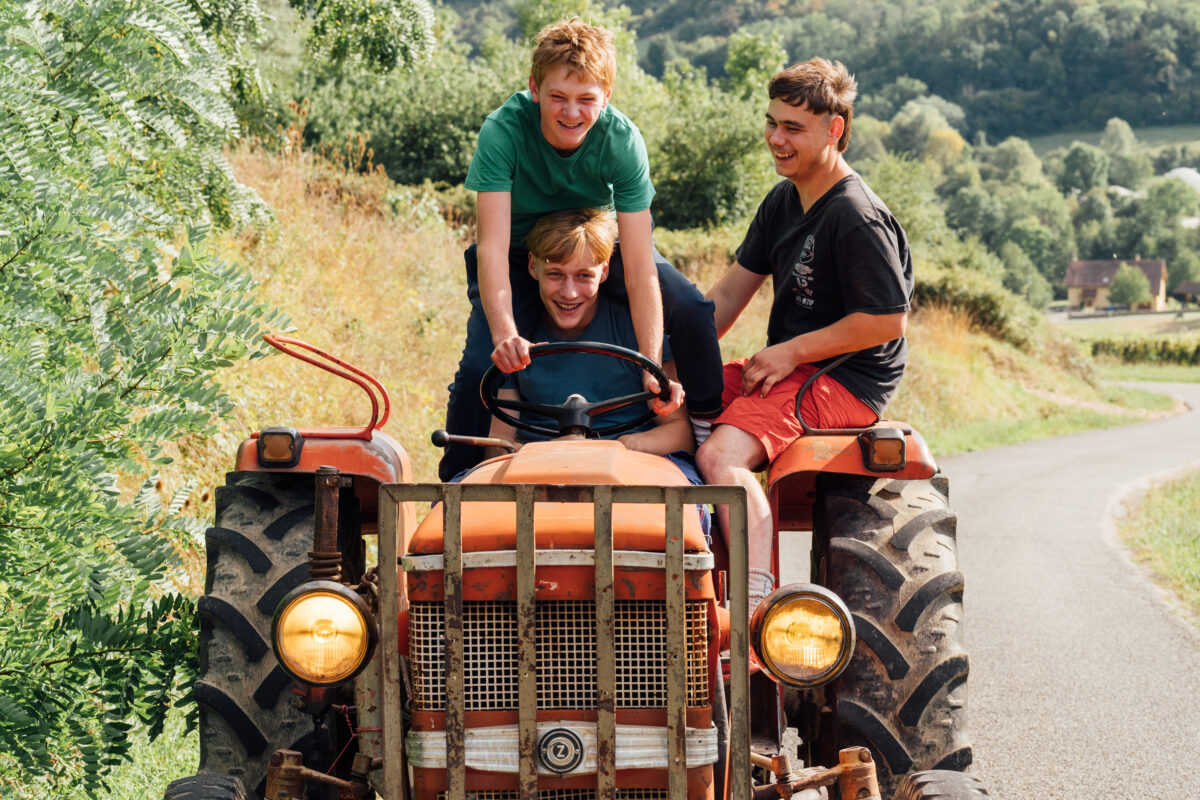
566, 526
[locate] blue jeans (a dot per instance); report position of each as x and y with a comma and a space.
687, 319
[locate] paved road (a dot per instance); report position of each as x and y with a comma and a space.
1084, 682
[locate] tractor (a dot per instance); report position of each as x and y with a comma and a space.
558, 625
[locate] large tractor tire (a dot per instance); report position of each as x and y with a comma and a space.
939, 784
887, 548
257, 552
205, 787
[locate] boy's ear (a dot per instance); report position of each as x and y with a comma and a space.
604, 271
533, 89
836, 125
533, 266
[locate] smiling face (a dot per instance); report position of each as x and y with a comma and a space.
569, 292
801, 142
568, 106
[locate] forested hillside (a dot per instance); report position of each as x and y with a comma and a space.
980, 204
1015, 67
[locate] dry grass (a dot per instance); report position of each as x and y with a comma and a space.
366, 270
965, 390
371, 272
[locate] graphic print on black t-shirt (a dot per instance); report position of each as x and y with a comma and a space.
803, 273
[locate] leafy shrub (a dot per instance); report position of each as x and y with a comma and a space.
1149, 350
113, 320
707, 164
419, 126
1130, 287
990, 306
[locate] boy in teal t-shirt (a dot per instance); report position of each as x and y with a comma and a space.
561, 145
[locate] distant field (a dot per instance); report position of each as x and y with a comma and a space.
1165, 134
1131, 325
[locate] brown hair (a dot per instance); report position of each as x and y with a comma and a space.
586, 51
825, 87
562, 236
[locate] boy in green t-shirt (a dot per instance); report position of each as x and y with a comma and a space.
560, 145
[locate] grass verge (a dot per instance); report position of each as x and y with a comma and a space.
1165, 373
1164, 534
172, 755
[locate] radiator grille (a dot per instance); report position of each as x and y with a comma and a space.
566, 655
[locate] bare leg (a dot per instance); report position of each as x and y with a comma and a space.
729, 457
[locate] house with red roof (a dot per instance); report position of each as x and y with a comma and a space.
1088, 282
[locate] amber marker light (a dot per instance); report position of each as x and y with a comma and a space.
323, 633
883, 449
802, 635
279, 447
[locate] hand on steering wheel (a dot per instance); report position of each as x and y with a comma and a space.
575, 414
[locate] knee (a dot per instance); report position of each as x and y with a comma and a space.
712, 462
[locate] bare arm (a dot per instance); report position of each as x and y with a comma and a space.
731, 294
641, 281
645, 297
511, 351
670, 433
851, 333
500, 429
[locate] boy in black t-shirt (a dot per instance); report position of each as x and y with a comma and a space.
842, 275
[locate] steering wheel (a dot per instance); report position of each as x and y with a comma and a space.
575, 414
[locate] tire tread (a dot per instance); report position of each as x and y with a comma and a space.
257, 551
903, 694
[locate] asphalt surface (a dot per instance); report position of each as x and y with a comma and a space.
1085, 680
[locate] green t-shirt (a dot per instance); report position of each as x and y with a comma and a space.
609, 170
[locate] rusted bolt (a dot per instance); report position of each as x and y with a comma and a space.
864, 755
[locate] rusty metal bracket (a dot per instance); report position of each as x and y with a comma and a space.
324, 560
854, 774
287, 776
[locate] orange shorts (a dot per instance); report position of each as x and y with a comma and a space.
772, 419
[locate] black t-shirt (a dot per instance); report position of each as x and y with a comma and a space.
846, 254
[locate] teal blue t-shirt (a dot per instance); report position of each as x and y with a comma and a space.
552, 379
609, 170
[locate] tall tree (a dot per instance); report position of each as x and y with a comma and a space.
1130, 287
114, 322
1084, 167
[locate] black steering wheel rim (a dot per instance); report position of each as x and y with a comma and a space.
579, 415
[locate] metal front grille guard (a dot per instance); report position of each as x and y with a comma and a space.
451, 496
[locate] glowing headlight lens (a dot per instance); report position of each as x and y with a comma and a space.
323, 633
802, 635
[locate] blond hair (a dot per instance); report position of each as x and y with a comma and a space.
563, 236
825, 87
587, 52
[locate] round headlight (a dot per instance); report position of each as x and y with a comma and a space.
802, 635
323, 633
